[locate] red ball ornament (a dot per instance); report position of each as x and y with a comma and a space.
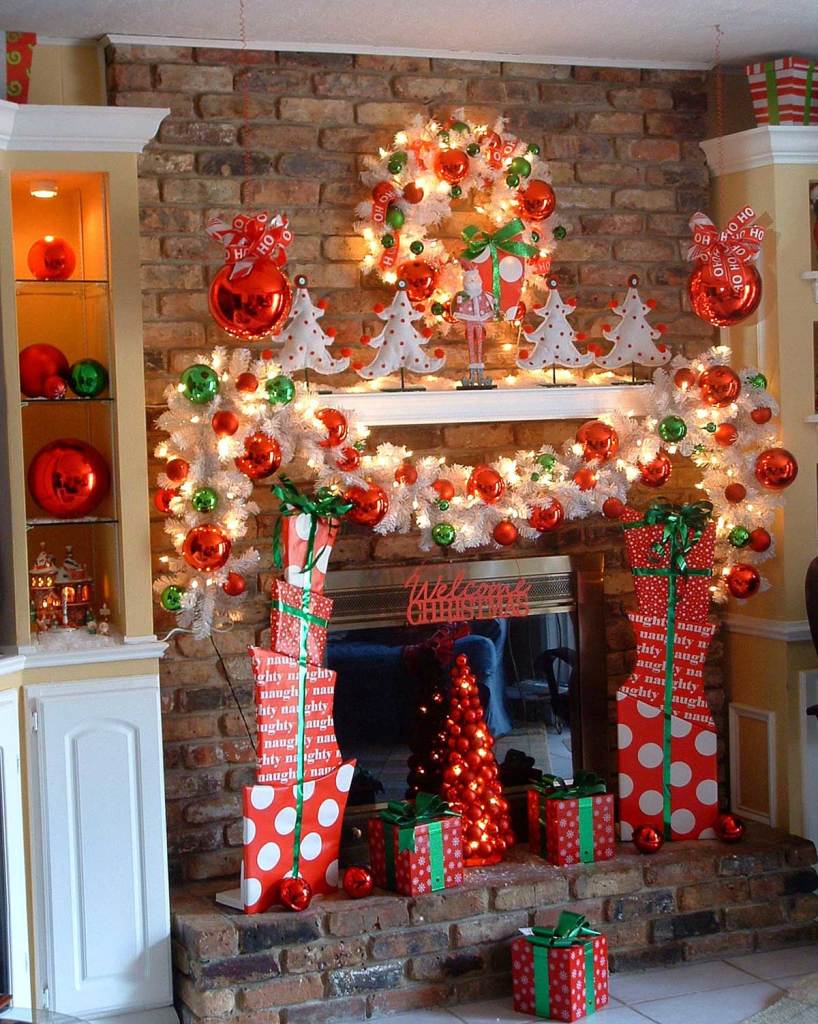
234, 585
68, 478
585, 479
725, 435
486, 483
247, 383
162, 499
612, 508
295, 894
335, 424
763, 414
647, 839
177, 470
505, 533
684, 379
735, 493
406, 474
537, 201
444, 489
38, 364
719, 386
51, 259
451, 165
545, 518
358, 882
729, 828
759, 540
598, 440
413, 193
54, 388
206, 548
224, 423
656, 473
719, 304
261, 458
776, 469
743, 580
348, 460
420, 278
369, 505
253, 306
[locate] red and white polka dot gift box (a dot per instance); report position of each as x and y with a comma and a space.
510, 266
559, 977
295, 613
304, 567
271, 829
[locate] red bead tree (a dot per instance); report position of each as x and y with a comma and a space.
470, 780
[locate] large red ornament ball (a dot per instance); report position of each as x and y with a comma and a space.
348, 459
537, 201
505, 533
598, 440
735, 493
51, 259
545, 518
684, 378
761, 415
225, 423
177, 470
585, 478
451, 165
420, 278
68, 478
444, 489
647, 839
295, 894
206, 548
719, 386
406, 474
162, 499
357, 882
369, 505
335, 424
743, 580
253, 306
656, 473
776, 469
729, 828
486, 483
38, 363
725, 435
234, 585
760, 540
719, 305
612, 508
261, 458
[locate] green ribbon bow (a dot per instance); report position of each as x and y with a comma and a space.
326, 504
571, 930
406, 816
585, 785
682, 527
503, 240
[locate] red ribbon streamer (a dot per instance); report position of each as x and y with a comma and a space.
725, 253
250, 239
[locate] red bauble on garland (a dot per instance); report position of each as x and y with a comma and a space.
420, 278
612, 508
725, 435
51, 259
295, 894
486, 483
735, 493
252, 306
247, 383
335, 424
451, 165
206, 548
729, 828
357, 882
723, 305
585, 478
162, 499
760, 540
545, 518
68, 478
719, 386
406, 474
261, 458
743, 580
656, 473
776, 469
537, 201
39, 363
598, 440
369, 505
234, 585
444, 489
225, 423
761, 415
684, 379
177, 470
505, 533
348, 459
647, 839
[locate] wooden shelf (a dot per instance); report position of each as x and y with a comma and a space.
86, 521
25, 402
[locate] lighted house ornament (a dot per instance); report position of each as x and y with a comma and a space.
554, 339
633, 338
306, 344
61, 595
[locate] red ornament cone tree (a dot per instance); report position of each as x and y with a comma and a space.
470, 780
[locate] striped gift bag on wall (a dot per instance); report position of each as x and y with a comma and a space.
783, 91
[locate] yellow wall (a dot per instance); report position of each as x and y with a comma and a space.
67, 75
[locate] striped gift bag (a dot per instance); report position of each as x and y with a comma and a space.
783, 91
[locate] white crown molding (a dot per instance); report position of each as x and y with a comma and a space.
63, 129
790, 631
761, 147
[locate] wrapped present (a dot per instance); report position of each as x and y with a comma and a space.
569, 824
298, 621
783, 91
501, 259
292, 830
416, 848
304, 534
561, 972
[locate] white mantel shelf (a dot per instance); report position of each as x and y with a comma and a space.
379, 408
62, 129
760, 147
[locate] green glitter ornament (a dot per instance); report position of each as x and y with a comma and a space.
739, 536
205, 499
547, 461
200, 383
443, 534
395, 217
280, 390
171, 598
535, 477
88, 378
672, 429
560, 232
759, 381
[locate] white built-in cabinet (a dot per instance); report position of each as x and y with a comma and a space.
13, 864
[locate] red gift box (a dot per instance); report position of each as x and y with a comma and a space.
573, 830
510, 266
783, 91
304, 567
562, 982
289, 614
415, 859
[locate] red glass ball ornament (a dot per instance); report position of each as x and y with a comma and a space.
505, 533
743, 580
369, 505
729, 828
585, 479
247, 383
656, 473
335, 424
725, 435
598, 440
763, 414
537, 201
776, 469
420, 278
444, 489
295, 894
735, 493
719, 305
51, 259
253, 306
54, 387
68, 478
486, 483
684, 379
357, 882
719, 386
224, 423
413, 193
647, 839
162, 499
759, 540
39, 363
612, 508
261, 458
206, 548
234, 585
177, 470
451, 165
406, 474
348, 460
545, 518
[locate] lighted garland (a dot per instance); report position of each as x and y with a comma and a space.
234, 421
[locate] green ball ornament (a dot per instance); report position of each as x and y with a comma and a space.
457, 191
739, 536
416, 247
711, 428
443, 534
521, 166
200, 383
535, 236
171, 598
512, 180
395, 217
88, 378
535, 477
442, 504
387, 241
280, 390
560, 232
533, 149
438, 308
205, 499
459, 126
472, 149
759, 381
443, 135
394, 166
672, 429
360, 446
547, 461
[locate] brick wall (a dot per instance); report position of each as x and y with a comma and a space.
623, 150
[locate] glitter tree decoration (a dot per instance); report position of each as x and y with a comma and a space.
400, 343
306, 343
633, 338
554, 339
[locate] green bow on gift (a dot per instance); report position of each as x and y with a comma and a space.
682, 527
325, 505
585, 783
504, 239
406, 815
570, 929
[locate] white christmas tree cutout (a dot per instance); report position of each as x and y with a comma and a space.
554, 339
305, 343
633, 337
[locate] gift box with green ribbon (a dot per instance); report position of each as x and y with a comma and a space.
500, 256
560, 973
784, 91
415, 846
292, 608
305, 532
571, 823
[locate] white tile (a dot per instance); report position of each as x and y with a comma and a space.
786, 983
619, 1015
634, 989
727, 1006
417, 1017
778, 963
499, 1011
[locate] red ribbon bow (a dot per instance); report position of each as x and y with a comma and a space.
724, 253
250, 239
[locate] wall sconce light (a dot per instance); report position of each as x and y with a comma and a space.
44, 189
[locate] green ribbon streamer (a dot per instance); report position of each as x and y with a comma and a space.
437, 873
585, 786
326, 504
586, 829
808, 93
313, 620
571, 930
590, 997
404, 816
502, 240
772, 92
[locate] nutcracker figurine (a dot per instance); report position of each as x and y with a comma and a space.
474, 307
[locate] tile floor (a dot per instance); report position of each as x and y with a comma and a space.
726, 991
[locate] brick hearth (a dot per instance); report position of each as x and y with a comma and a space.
344, 960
